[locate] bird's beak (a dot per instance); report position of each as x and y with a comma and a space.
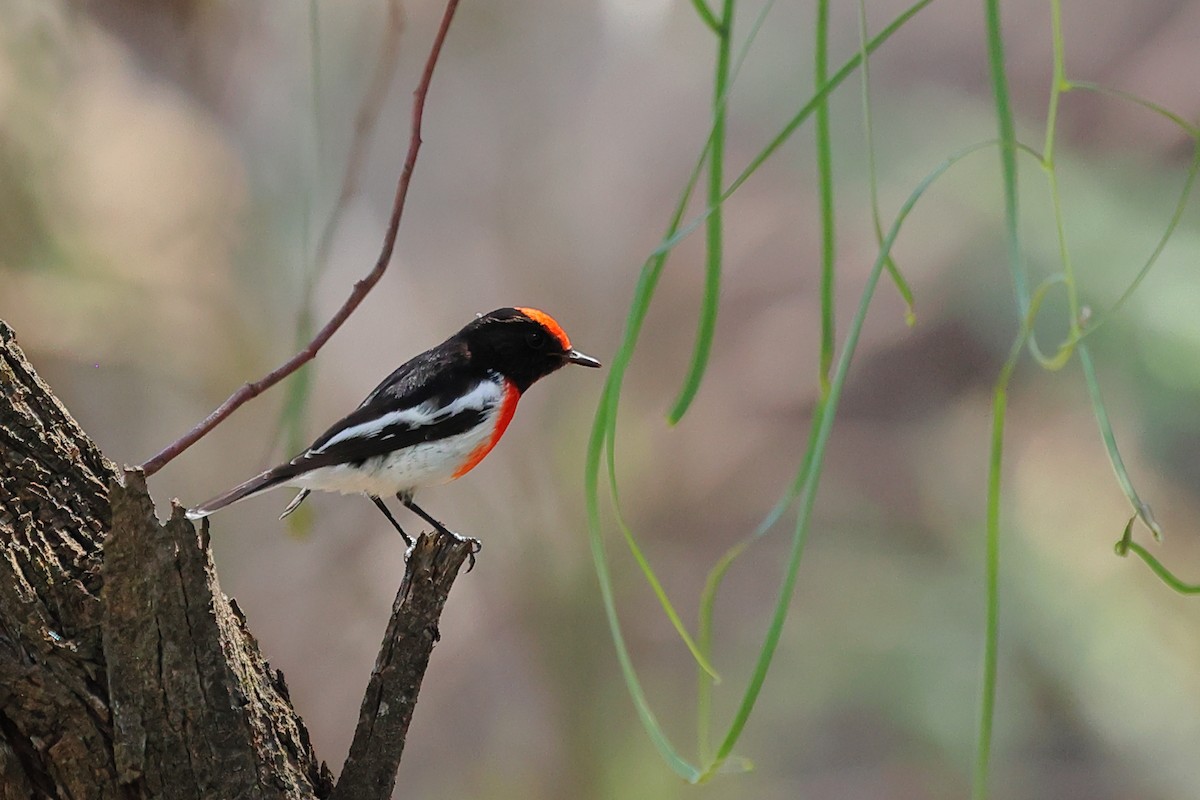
576, 357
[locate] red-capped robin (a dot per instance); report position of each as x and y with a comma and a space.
430, 421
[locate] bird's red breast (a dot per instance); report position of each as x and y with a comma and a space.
504, 415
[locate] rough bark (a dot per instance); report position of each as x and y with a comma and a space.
387, 707
197, 711
55, 719
124, 671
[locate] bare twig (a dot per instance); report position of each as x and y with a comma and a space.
359, 292
387, 707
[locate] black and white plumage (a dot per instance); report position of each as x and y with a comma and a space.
430, 421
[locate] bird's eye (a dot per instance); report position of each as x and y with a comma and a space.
536, 339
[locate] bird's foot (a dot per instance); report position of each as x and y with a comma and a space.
473, 544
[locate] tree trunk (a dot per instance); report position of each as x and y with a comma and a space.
124, 671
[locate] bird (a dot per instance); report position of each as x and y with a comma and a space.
429, 422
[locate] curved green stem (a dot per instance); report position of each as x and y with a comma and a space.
827, 414
825, 182
872, 171
1187, 127
785, 133
699, 653
987, 701
1180, 206
1141, 509
706, 16
603, 433
1126, 544
1008, 149
987, 705
713, 228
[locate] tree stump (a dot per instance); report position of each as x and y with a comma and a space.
125, 672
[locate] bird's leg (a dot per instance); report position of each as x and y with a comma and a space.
391, 519
420, 512
476, 545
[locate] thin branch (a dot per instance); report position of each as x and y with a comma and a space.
387, 707
359, 292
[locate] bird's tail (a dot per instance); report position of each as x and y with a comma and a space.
256, 485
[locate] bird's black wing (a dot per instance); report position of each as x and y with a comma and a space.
386, 425
440, 373
432, 396
421, 401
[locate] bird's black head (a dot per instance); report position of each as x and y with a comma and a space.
522, 344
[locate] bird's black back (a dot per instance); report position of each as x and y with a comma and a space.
505, 342
509, 346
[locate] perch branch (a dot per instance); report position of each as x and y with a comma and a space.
387, 707
359, 292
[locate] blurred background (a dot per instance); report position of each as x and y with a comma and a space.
165, 171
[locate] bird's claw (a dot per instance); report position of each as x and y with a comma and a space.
473, 545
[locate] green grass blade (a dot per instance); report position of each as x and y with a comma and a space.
657, 736
706, 16
704, 635
991, 639
1008, 149
1140, 508
825, 184
785, 133
987, 700
1189, 128
714, 229
987, 711
604, 423
1058, 85
1008, 168
809, 490
708, 314
299, 388
833, 83
872, 171
292, 425
698, 653
603, 432
643, 293
1176, 216
712, 585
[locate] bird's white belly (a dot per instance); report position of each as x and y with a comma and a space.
404, 470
